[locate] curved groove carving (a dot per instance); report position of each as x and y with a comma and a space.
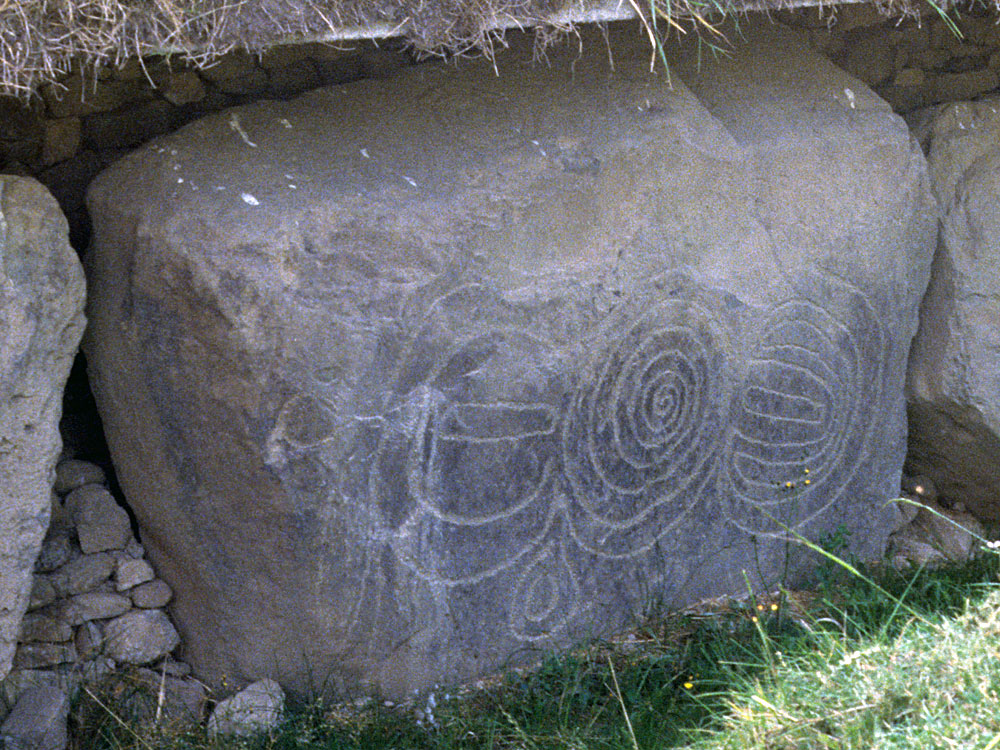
546, 596
797, 435
498, 467
639, 437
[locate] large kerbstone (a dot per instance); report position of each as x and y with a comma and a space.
406, 379
954, 378
41, 321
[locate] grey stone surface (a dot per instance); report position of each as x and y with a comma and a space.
83, 574
94, 605
42, 592
56, 551
131, 572
937, 534
19, 681
101, 523
140, 637
453, 366
41, 321
972, 83
152, 594
256, 708
38, 721
953, 384
96, 670
89, 640
135, 550
73, 473
174, 668
41, 655
39, 626
183, 702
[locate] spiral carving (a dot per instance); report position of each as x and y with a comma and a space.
644, 429
492, 468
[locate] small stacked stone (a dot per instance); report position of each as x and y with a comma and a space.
96, 603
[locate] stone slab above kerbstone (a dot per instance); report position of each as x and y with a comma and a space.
41, 321
406, 380
954, 377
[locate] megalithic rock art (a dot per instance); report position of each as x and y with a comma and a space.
492, 362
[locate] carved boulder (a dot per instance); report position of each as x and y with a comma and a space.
408, 379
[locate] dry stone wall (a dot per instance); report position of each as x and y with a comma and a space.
72, 131
912, 63
96, 606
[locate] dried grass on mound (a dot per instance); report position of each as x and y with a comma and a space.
39, 39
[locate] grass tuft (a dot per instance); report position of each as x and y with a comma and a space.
842, 665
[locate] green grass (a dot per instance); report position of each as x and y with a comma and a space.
912, 663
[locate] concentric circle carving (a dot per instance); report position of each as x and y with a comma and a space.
797, 432
644, 427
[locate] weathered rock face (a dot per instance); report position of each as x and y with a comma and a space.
954, 378
41, 321
405, 378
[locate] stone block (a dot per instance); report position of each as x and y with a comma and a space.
870, 59
41, 321
42, 592
943, 35
257, 708
130, 573
21, 131
131, 69
954, 378
151, 595
474, 365
911, 77
183, 701
851, 17
73, 473
97, 670
89, 640
183, 87
57, 550
78, 95
905, 99
38, 721
140, 637
96, 605
129, 126
39, 626
19, 681
61, 140
236, 73
134, 550
41, 655
101, 523
83, 574
954, 87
